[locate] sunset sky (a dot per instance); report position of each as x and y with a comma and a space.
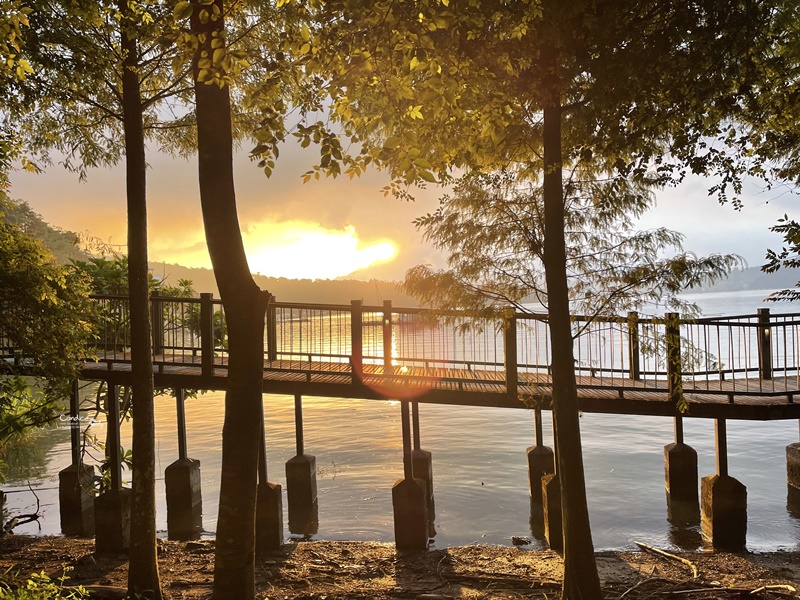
335, 228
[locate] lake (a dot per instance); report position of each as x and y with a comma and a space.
479, 464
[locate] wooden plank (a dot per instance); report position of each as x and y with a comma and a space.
753, 398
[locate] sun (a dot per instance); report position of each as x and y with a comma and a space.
307, 250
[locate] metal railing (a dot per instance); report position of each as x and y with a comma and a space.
755, 353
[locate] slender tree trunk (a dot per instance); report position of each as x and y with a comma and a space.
581, 581
143, 571
245, 307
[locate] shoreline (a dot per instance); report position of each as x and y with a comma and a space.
314, 570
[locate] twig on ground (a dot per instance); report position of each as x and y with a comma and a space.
642, 582
680, 559
774, 587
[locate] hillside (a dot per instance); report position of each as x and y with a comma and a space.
753, 278
63, 244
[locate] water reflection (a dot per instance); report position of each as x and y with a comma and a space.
681, 513
688, 539
304, 520
537, 522
793, 501
28, 456
431, 518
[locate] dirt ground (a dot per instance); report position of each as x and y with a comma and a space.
320, 570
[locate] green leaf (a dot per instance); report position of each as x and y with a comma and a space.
182, 10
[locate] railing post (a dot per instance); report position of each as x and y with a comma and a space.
672, 337
272, 330
157, 322
356, 339
764, 344
633, 346
388, 367
207, 333
510, 352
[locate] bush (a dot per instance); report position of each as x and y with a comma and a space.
40, 587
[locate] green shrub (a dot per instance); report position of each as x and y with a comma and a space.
40, 587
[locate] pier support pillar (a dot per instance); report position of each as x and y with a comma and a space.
723, 501
269, 517
541, 461
410, 505
409, 498
551, 508
112, 518
301, 480
301, 483
724, 519
184, 499
680, 480
793, 476
76, 500
269, 503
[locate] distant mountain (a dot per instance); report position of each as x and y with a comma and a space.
318, 291
754, 279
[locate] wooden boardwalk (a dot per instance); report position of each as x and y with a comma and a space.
742, 398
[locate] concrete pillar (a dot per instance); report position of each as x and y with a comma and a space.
724, 512
112, 519
269, 502
184, 499
410, 504
541, 462
793, 473
793, 479
551, 507
76, 500
301, 473
269, 517
680, 481
410, 497
301, 483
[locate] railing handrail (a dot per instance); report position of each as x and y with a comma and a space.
681, 350
524, 315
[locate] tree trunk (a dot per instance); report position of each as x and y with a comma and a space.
143, 571
581, 581
245, 307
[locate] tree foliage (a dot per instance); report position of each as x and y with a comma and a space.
492, 227
45, 321
641, 91
63, 244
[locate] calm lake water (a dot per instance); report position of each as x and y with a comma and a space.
480, 470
